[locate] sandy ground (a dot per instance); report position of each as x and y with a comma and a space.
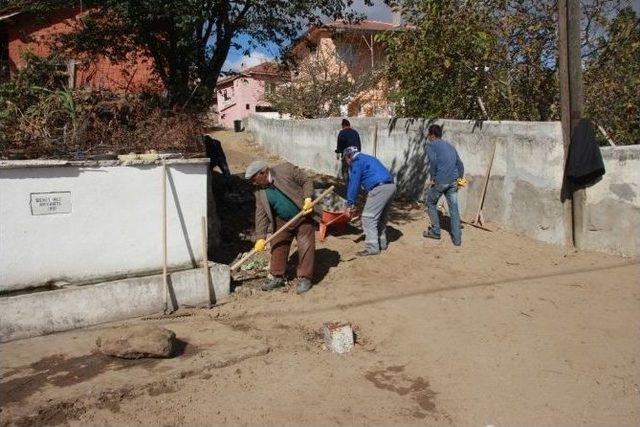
503, 331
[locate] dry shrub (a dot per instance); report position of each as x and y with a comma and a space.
112, 123
39, 118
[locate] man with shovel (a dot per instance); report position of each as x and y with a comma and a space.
281, 192
370, 174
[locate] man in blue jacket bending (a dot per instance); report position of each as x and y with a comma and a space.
367, 172
445, 168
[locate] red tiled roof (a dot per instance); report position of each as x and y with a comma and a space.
264, 68
365, 25
226, 79
269, 68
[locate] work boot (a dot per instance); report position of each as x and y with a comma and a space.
430, 234
303, 286
273, 283
367, 252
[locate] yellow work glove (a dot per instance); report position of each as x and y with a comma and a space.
462, 182
307, 206
260, 245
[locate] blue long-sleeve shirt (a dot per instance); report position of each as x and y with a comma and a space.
366, 172
445, 165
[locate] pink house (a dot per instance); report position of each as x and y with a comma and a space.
243, 93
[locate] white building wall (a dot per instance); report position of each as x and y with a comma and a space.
108, 221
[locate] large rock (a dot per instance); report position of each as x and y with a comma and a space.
136, 342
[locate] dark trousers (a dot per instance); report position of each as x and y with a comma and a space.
304, 231
344, 172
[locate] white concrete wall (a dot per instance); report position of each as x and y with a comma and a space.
273, 115
524, 188
612, 212
39, 313
523, 194
114, 226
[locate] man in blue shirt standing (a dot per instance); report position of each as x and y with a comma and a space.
445, 168
367, 172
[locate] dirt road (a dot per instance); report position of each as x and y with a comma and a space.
502, 331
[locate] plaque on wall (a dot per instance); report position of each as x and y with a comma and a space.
56, 202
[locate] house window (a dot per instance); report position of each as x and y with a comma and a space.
270, 87
227, 94
248, 107
348, 52
264, 109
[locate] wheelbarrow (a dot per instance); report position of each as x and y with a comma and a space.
338, 219
333, 214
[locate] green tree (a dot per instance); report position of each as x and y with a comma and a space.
439, 65
504, 51
612, 80
189, 39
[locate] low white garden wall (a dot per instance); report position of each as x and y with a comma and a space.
86, 221
524, 190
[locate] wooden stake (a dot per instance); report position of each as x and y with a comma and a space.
375, 140
165, 277
606, 135
484, 110
478, 219
205, 258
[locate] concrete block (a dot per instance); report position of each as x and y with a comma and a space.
42, 313
338, 337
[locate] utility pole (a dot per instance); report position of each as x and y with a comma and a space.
571, 107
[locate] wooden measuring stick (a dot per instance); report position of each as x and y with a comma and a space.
281, 229
205, 258
165, 277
